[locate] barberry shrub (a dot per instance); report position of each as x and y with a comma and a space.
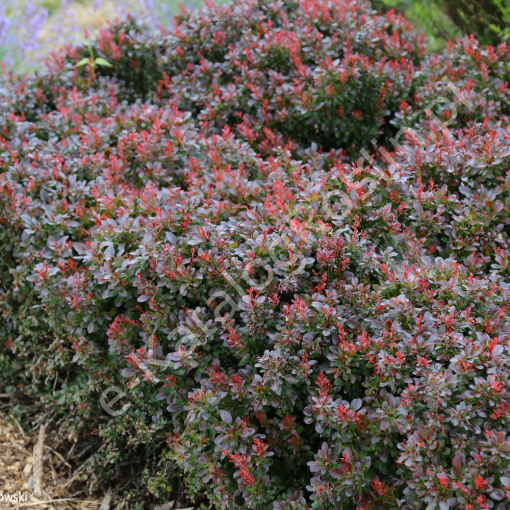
299, 326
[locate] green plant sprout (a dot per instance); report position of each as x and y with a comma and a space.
93, 62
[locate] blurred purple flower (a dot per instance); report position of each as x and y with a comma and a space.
28, 32
20, 30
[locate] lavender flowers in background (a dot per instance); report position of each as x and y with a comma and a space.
21, 25
28, 31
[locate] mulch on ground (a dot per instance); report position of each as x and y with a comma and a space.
17, 473
18, 449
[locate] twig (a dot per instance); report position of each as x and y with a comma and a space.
16, 447
76, 473
59, 455
82, 453
189, 508
105, 504
38, 461
18, 425
37, 503
53, 472
5, 395
71, 451
165, 506
34, 428
60, 429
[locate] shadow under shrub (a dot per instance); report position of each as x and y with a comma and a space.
296, 330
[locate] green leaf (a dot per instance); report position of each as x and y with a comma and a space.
83, 62
103, 62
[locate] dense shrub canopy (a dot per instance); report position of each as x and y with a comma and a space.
302, 330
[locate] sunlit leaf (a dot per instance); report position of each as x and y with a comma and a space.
102, 62
82, 62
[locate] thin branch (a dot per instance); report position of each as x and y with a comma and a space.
18, 425
82, 453
41, 420
37, 503
59, 455
76, 473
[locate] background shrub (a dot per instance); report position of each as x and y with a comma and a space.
444, 20
293, 329
302, 72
